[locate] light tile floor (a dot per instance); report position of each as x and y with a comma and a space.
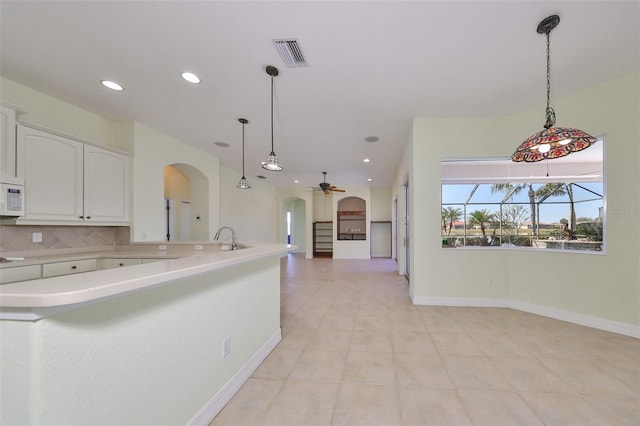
356, 351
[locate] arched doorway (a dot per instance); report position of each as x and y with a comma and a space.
186, 194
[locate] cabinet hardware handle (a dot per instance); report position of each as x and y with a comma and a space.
74, 267
80, 217
121, 264
88, 217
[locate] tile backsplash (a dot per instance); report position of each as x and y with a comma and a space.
20, 237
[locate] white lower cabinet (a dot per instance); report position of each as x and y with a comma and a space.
117, 263
20, 273
69, 267
69, 182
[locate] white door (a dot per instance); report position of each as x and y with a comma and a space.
380, 239
185, 221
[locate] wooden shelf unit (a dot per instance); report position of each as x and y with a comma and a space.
352, 225
323, 239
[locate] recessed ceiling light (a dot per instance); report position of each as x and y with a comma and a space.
261, 177
112, 85
369, 180
371, 139
296, 181
366, 160
190, 77
221, 144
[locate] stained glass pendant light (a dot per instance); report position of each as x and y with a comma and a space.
243, 184
552, 142
272, 163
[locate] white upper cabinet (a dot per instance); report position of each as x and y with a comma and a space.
71, 182
52, 168
7, 144
106, 185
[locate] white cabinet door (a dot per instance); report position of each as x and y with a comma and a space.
68, 268
106, 185
52, 169
20, 273
7, 143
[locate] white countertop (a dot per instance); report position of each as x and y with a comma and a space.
91, 286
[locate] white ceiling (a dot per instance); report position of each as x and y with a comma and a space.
373, 67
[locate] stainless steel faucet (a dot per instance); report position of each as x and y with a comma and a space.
234, 238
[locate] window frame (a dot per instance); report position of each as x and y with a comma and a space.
511, 175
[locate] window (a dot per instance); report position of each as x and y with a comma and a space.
498, 203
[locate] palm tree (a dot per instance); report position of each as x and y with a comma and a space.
558, 190
481, 218
449, 216
510, 189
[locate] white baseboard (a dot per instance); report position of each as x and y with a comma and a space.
559, 314
462, 301
233, 385
576, 318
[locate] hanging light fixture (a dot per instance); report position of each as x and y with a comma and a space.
552, 142
272, 163
243, 184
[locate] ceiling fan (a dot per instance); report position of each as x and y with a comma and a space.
327, 187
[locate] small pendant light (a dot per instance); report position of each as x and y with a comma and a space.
243, 184
552, 142
272, 163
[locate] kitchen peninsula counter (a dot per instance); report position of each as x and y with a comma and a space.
166, 342
22, 300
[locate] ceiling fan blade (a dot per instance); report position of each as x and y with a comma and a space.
337, 189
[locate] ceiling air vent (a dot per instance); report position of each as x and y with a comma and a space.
290, 53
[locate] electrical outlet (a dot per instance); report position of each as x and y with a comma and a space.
162, 247
226, 347
198, 247
36, 237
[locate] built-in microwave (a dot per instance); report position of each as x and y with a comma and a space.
11, 200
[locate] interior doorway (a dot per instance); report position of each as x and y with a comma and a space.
186, 193
295, 228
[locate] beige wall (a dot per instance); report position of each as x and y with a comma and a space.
152, 152
381, 204
51, 113
601, 288
251, 212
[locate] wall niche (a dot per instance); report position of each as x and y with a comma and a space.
352, 219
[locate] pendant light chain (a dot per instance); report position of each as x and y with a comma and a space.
272, 163
550, 113
272, 114
243, 184
242, 149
